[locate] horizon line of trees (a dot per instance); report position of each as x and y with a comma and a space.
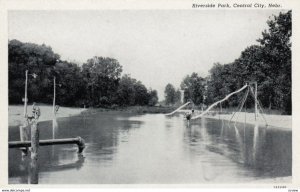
98, 82
268, 64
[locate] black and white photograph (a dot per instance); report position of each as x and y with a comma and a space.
150, 96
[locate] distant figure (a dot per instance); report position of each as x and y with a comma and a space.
56, 109
189, 115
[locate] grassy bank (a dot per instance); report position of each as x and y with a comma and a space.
135, 109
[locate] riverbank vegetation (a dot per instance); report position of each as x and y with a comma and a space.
268, 63
97, 83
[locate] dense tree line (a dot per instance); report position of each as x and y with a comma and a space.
98, 82
268, 64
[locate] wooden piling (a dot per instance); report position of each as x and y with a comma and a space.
24, 136
34, 178
25, 98
255, 102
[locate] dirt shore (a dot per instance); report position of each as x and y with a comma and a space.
15, 113
275, 121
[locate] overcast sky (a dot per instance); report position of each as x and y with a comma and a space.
156, 47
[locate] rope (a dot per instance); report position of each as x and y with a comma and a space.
241, 104
259, 105
245, 98
220, 111
216, 103
245, 112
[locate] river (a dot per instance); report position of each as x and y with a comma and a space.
155, 149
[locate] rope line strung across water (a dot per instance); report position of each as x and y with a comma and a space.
241, 105
216, 103
182, 106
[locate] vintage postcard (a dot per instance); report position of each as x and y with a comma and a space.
140, 93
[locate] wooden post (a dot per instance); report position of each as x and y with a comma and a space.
255, 93
24, 129
25, 99
34, 177
24, 136
54, 93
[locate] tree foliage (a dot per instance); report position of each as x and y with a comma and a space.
268, 64
193, 86
38, 59
172, 95
101, 76
96, 83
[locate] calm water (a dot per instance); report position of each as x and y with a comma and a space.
156, 149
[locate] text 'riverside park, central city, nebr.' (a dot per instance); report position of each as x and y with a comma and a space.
235, 5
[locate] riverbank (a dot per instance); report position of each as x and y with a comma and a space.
279, 121
16, 112
135, 109
276, 121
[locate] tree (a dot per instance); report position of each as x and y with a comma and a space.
276, 43
193, 87
141, 94
177, 96
269, 64
153, 98
126, 91
132, 92
38, 59
70, 89
96, 83
170, 94
101, 76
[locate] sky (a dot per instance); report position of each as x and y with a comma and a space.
156, 47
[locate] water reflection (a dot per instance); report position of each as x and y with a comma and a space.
156, 149
251, 147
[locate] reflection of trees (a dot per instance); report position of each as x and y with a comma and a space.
251, 147
272, 154
240, 143
255, 142
199, 140
24, 172
101, 133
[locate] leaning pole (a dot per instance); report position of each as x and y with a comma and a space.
220, 101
